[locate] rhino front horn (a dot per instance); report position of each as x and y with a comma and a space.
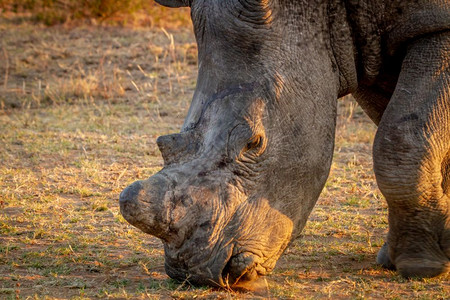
143, 205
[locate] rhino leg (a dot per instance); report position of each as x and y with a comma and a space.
374, 96
412, 161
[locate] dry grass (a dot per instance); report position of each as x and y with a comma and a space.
111, 12
81, 109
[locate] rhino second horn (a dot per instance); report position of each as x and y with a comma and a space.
169, 145
175, 146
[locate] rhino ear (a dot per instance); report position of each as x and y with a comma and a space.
175, 3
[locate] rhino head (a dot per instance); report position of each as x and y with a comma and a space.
242, 176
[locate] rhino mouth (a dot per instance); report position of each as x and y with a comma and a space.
241, 269
224, 269
198, 270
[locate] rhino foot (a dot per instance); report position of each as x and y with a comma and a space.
383, 258
421, 267
410, 266
433, 259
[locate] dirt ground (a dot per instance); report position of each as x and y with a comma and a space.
80, 111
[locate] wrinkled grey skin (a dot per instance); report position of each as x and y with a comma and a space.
255, 150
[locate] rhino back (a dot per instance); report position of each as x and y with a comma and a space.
382, 27
407, 20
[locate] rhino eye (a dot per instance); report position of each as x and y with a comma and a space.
254, 144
